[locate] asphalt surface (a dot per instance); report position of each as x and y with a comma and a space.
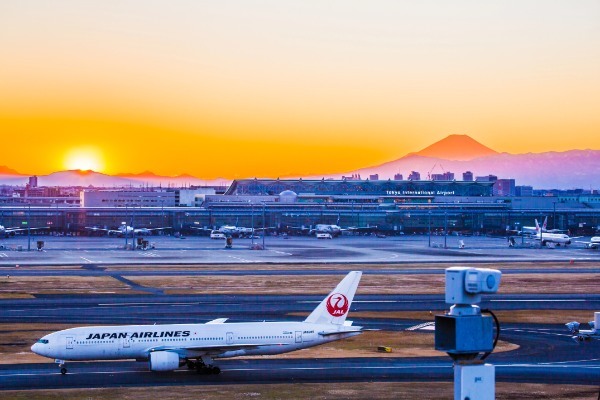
344, 249
546, 352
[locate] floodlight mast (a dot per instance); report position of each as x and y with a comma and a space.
464, 333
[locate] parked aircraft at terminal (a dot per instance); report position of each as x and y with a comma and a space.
585, 335
547, 236
167, 347
594, 243
11, 231
232, 230
127, 230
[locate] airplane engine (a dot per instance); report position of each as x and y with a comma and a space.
164, 361
573, 327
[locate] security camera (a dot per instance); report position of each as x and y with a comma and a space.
464, 285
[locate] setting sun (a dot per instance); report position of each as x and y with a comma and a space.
84, 159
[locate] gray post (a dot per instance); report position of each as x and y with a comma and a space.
429, 223
264, 231
445, 229
28, 230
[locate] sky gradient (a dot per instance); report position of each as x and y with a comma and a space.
239, 89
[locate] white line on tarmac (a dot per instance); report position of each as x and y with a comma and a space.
282, 252
90, 261
537, 300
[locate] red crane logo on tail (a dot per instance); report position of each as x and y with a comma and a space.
337, 304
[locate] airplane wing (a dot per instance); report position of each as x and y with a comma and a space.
589, 245
214, 350
10, 230
217, 321
341, 332
109, 231
157, 229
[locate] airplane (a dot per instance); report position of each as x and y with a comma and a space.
594, 243
168, 347
11, 231
333, 229
585, 335
548, 237
532, 230
127, 230
234, 231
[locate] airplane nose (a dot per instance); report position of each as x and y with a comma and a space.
35, 348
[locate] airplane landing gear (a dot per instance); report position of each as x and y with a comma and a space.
61, 365
204, 366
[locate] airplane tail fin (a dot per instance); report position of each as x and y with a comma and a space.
537, 226
334, 308
545, 223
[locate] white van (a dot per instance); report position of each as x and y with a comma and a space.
217, 235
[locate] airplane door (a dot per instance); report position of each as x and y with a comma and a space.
125, 343
298, 336
229, 337
69, 342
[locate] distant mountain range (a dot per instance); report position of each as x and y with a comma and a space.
455, 153
97, 179
550, 170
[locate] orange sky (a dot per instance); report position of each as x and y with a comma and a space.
276, 88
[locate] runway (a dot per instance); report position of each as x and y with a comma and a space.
294, 250
546, 353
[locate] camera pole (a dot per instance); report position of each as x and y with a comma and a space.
464, 333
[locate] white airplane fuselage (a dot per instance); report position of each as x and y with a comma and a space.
559, 238
167, 347
138, 341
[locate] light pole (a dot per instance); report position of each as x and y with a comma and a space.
264, 231
252, 233
429, 224
28, 229
445, 229
124, 225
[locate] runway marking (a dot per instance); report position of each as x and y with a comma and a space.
534, 300
281, 252
242, 259
407, 366
3, 255
575, 361
150, 254
366, 301
90, 261
148, 304
536, 332
426, 326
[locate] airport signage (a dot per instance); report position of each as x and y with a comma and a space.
138, 335
420, 192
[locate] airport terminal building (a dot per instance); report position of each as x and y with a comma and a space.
394, 207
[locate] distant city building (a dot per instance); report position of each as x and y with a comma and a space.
353, 177
33, 181
446, 176
487, 178
374, 177
524, 191
398, 177
130, 198
468, 176
192, 197
414, 176
504, 187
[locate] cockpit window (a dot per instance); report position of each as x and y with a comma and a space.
43, 341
